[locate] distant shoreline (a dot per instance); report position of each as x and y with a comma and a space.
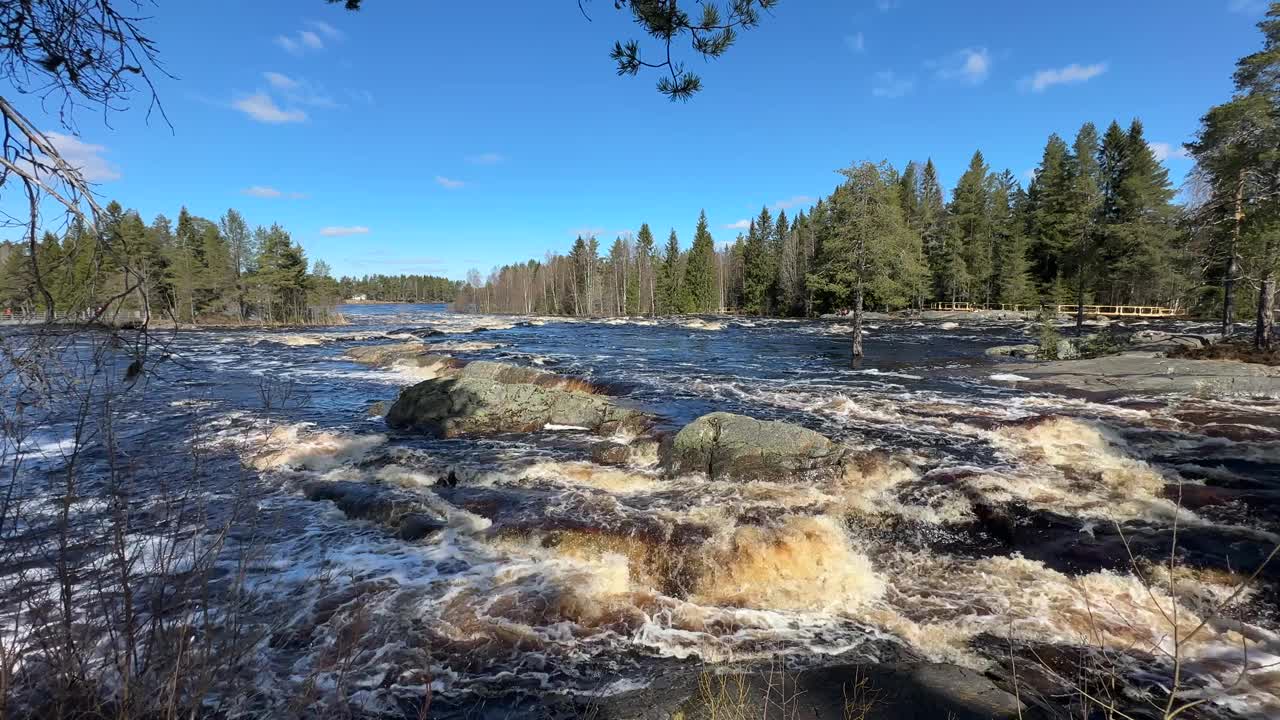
394, 302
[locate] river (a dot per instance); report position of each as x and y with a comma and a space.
980, 516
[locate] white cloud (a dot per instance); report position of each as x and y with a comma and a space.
262, 108
299, 42
1071, 74
264, 191
291, 46
85, 156
856, 42
325, 29
489, 158
794, 201
280, 81
1164, 151
310, 39
739, 225
887, 5
449, 183
970, 65
889, 84
341, 231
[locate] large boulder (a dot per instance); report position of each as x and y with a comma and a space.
727, 445
450, 407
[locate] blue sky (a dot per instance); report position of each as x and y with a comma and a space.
431, 137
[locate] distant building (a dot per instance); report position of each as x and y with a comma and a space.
358, 298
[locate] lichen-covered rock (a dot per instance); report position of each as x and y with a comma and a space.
1018, 351
727, 445
450, 407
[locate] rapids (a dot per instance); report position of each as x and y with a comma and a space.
555, 574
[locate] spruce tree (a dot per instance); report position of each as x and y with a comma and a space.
933, 227
777, 290
699, 287
969, 269
669, 277
756, 276
645, 269
1086, 174
1053, 217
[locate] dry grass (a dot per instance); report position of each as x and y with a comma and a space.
569, 384
1236, 351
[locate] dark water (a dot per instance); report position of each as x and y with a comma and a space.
559, 575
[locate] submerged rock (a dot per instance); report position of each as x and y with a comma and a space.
401, 511
723, 444
449, 407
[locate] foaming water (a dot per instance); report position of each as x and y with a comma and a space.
553, 572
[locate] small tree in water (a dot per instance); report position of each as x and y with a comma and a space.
868, 248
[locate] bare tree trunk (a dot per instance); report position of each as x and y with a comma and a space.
1265, 321
1080, 250
856, 344
1229, 281
49, 312
1265, 330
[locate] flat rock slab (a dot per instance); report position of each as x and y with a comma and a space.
1148, 373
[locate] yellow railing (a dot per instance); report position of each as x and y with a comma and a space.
1107, 310
1122, 310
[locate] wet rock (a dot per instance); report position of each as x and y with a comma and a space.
417, 526
399, 510
610, 453
451, 407
377, 408
1263, 503
1075, 546
1018, 351
727, 445
407, 352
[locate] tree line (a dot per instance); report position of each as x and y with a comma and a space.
196, 270
1097, 223
400, 288
1097, 220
